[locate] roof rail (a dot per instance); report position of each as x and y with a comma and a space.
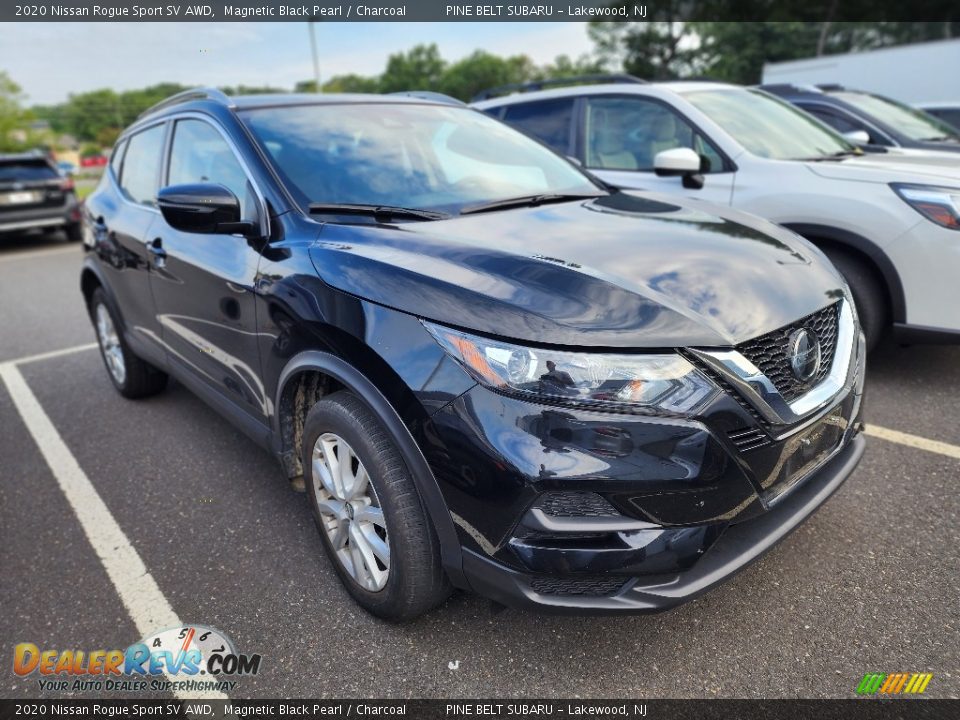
535, 85
201, 93
429, 95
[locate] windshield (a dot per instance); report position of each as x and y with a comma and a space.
915, 124
427, 157
768, 127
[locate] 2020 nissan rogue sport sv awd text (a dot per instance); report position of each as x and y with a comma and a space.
490, 371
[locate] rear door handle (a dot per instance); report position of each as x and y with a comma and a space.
155, 248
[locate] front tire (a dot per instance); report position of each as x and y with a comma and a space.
370, 516
130, 375
868, 295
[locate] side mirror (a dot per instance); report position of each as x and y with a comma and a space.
679, 162
858, 137
202, 208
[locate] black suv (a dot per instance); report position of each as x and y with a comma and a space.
489, 370
869, 118
33, 194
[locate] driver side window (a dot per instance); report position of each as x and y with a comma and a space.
626, 133
199, 154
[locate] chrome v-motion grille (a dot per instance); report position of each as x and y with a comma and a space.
756, 369
770, 352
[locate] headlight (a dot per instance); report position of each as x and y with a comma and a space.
940, 205
652, 382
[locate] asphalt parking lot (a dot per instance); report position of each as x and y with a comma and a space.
871, 583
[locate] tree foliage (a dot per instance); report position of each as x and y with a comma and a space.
15, 131
675, 44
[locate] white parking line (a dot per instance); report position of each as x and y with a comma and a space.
52, 354
914, 441
145, 603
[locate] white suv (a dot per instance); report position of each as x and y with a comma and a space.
889, 221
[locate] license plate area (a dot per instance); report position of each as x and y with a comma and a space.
24, 197
804, 452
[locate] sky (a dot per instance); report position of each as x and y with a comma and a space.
51, 60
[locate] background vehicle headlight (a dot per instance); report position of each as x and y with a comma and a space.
653, 382
940, 205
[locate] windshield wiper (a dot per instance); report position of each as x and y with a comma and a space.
525, 201
941, 138
377, 212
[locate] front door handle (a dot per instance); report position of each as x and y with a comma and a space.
155, 248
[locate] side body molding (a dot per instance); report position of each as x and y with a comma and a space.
356, 382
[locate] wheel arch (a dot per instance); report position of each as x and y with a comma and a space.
305, 379
825, 236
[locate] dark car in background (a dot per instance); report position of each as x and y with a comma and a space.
883, 121
35, 195
490, 370
948, 112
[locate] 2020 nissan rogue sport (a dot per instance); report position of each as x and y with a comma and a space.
491, 371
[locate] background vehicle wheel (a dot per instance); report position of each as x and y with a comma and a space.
73, 231
368, 510
131, 376
868, 295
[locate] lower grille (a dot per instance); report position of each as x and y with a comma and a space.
575, 503
594, 586
770, 352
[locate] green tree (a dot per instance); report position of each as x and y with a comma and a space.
661, 48
420, 68
13, 118
563, 66
481, 70
352, 84
736, 52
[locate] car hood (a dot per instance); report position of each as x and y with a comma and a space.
628, 270
918, 166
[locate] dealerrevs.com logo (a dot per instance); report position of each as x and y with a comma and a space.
894, 683
193, 657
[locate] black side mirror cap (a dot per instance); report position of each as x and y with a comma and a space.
203, 208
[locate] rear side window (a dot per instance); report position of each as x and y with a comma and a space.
548, 121
26, 171
141, 166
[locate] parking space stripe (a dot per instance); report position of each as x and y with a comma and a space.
52, 354
914, 441
139, 592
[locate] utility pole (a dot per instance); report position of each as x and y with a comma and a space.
316, 59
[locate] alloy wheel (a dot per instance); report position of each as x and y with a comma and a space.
110, 345
350, 512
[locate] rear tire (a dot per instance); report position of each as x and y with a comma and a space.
130, 375
868, 295
372, 513
73, 231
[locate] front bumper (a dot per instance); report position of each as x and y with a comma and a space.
737, 546
582, 510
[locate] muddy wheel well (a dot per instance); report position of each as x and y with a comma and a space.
300, 394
